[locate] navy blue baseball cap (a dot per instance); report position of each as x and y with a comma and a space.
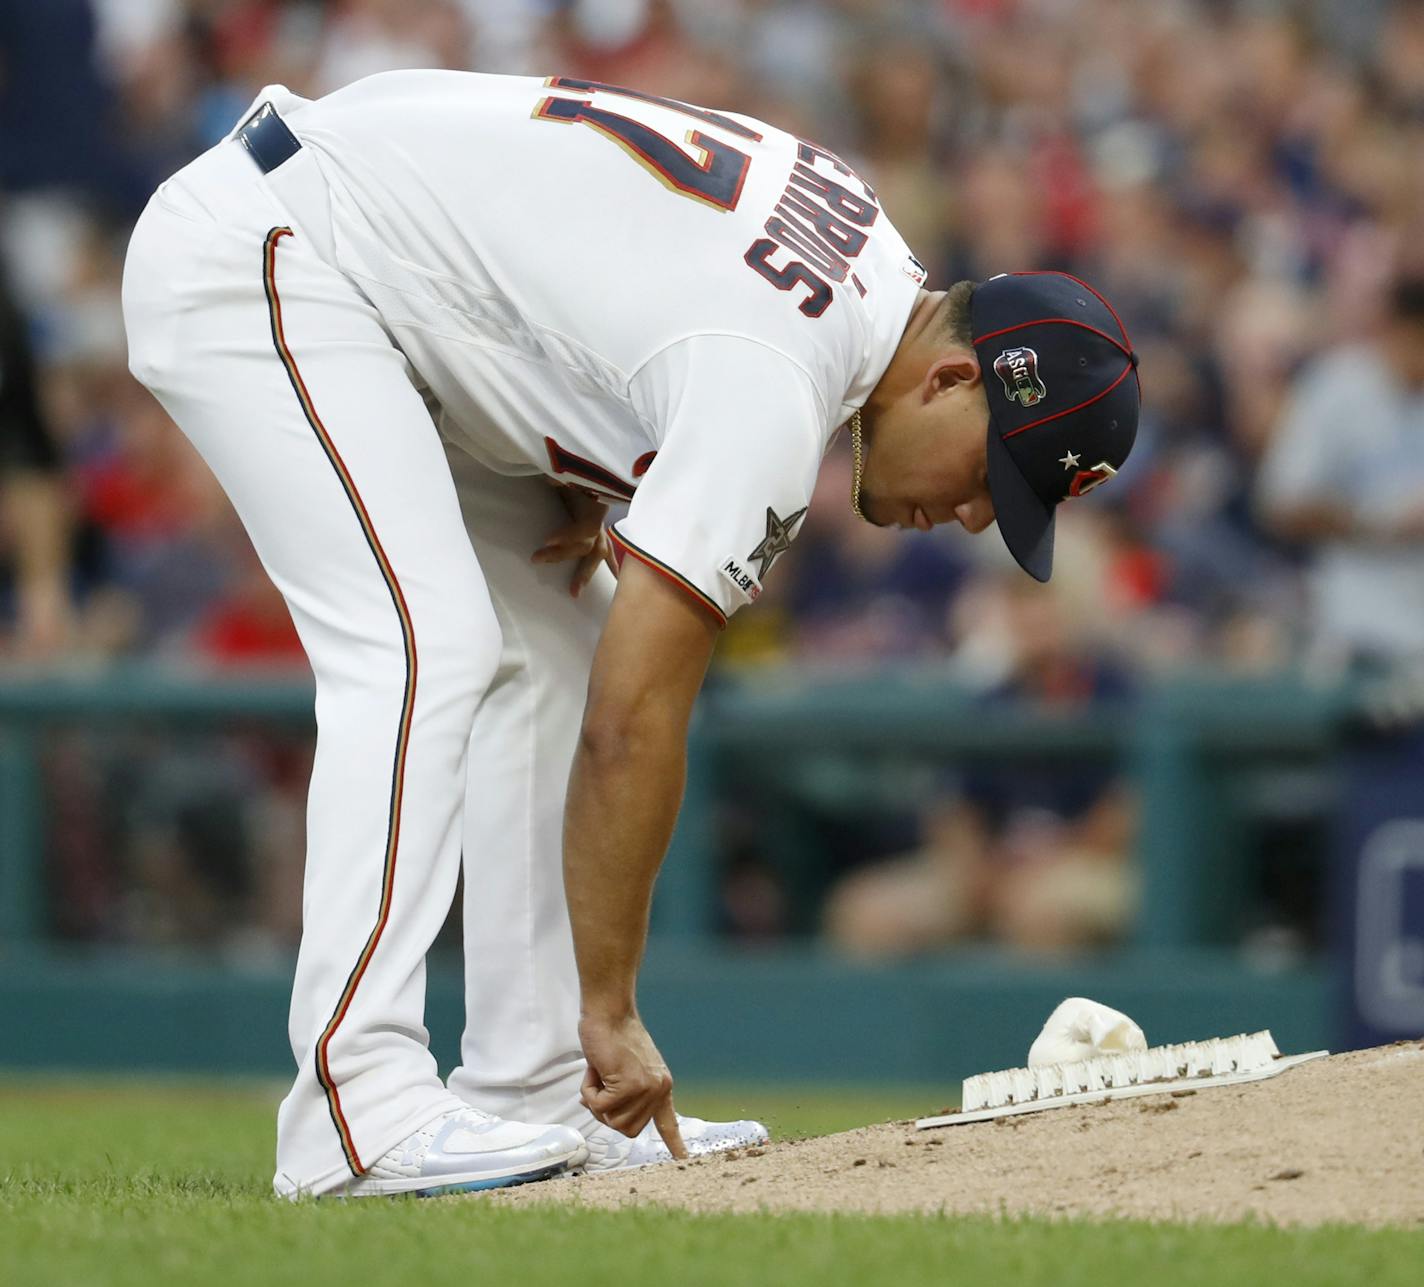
1060, 376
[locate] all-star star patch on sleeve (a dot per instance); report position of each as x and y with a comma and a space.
742, 432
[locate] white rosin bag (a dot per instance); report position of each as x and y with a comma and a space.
1082, 1029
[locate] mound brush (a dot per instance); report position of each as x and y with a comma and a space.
1193, 1065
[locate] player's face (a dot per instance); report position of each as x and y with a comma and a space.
927, 459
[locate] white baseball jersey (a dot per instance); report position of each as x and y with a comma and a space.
663, 304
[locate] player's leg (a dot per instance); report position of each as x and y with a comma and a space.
281, 375
520, 1055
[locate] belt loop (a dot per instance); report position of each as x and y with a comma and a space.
267, 139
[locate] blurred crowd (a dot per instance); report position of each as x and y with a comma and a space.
1244, 178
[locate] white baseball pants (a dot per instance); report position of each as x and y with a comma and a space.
450, 671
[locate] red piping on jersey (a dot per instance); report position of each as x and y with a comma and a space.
407, 627
682, 583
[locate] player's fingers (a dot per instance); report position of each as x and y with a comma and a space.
629, 1118
636, 1108
581, 529
602, 1103
626, 1106
558, 551
665, 1116
568, 543
559, 554
602, 1100
583, 574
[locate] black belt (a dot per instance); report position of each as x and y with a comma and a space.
268, 140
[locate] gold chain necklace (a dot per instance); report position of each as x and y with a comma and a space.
857, 452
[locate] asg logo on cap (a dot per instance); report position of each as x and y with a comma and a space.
1018, 369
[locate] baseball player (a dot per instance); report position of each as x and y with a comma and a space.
424, 330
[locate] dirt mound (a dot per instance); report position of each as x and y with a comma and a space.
1339, 1139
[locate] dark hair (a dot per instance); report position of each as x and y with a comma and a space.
953, 314
1406, 299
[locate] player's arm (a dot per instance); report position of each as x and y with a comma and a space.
733, 474
624, 793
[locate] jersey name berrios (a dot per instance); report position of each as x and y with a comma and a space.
662, 304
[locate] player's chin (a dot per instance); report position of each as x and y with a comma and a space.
904, 516
875, 511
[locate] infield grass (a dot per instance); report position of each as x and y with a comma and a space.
117, 1183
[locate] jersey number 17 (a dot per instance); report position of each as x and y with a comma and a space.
715, 177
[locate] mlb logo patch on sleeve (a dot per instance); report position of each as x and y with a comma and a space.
741, 578
745, 575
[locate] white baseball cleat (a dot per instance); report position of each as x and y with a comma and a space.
465, 1150
610, 1150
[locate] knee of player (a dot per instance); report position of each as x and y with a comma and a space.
459, 648
448, 652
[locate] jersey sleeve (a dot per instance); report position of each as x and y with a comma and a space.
741, 432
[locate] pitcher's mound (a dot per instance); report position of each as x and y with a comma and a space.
1339, 1139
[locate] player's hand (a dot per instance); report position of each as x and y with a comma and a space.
628, 1082
583, 538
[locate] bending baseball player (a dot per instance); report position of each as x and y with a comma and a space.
389, 320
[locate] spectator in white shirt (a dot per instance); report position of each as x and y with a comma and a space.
1344, 476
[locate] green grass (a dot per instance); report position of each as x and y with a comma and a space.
126, 1184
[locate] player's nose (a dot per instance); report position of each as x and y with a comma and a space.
975, 515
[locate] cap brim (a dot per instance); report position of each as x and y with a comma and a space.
1025, 522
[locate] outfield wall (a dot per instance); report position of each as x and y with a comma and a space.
1192, 749
769, 1016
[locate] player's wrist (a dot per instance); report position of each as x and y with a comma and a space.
609, 1009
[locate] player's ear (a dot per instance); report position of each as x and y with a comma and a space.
949, 371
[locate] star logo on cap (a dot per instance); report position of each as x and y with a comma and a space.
777, 541
1070, 461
